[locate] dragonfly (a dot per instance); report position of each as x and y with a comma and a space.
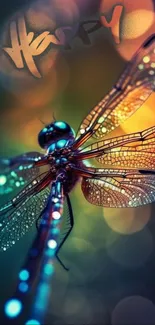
43, 182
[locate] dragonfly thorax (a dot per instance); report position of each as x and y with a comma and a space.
61, 158
53, 132
58, 153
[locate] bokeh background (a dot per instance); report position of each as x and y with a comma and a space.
110, 252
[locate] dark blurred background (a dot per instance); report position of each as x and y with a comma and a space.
111, 252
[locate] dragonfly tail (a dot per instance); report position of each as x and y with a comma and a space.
40, 260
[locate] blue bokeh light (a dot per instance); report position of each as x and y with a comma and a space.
13, 308
55, 231
48, 269
24, 275
23, 287
32, 322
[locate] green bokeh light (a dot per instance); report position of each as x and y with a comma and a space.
3, 180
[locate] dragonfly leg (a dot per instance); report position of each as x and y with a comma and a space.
71, 226
61, 263
38, 223
68, 232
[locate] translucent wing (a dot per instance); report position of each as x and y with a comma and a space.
16, 172
127, 188
132, 89
23, 159
18, 215
131, 157
117, 151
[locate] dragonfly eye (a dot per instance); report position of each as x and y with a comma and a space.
53, 132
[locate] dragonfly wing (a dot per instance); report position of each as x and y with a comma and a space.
14, 174
128, 157
20, 160
139, 154
129, 189
132, 89
18, 215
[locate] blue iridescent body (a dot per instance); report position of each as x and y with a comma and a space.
57, 138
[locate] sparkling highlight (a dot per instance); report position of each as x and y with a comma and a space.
13, 308
52, 244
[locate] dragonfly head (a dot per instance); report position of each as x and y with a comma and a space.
53, 132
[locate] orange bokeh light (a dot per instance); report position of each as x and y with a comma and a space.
127, 221
142, 119
137, 24
129, 6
